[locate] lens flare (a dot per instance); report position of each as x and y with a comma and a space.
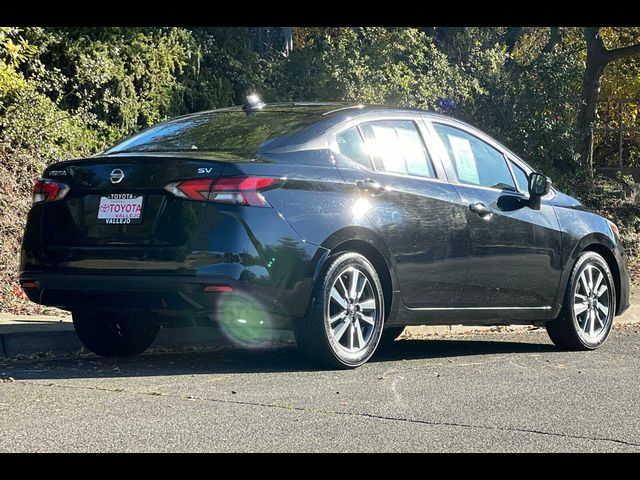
244, 321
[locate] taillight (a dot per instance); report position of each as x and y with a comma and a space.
48, 190
231, 190
191, 189
218, 289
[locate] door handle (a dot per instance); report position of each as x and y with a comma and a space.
370, 186
482, 210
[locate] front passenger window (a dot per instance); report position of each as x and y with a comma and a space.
475, 161
521, 177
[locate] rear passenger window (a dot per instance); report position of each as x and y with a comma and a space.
351, 145
476, 162
396, 146
521, 177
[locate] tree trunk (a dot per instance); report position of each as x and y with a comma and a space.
554, 39
591, 83
511, 36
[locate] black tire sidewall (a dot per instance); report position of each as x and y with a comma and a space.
97, 335
342, 262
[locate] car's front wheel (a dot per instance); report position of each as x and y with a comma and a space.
111, 334
589, 306
346, 315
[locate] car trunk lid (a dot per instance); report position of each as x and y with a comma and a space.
120, 200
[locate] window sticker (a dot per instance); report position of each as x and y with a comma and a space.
464, 160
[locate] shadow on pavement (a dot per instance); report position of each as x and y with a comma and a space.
233, 360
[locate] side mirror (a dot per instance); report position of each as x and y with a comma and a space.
539, 186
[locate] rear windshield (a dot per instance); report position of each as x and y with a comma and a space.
231, 134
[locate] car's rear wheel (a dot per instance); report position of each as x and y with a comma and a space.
589, 306
346, 314
111, 334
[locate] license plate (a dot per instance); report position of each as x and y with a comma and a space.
120, 208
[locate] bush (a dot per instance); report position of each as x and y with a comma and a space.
34, 123
398, 66
531, 110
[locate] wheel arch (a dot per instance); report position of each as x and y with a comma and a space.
367, 243
603, 245
608, 256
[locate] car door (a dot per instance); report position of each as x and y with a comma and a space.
419, 216
514, 251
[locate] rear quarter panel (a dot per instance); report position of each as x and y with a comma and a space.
315, 201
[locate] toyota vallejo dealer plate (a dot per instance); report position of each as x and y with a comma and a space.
120, 208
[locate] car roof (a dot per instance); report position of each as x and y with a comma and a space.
336, 112
332, 112
317, 108
328, 114
341, 110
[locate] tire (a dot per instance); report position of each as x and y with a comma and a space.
338, 331
389, 336
587, 313
110, 334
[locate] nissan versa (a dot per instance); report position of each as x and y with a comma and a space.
343, 223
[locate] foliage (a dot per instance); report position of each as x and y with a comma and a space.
532, 109
123, 77
398, 66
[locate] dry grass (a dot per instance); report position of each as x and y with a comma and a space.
18, 172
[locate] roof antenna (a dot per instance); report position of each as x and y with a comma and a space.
253, 104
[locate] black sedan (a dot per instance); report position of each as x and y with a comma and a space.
344, 223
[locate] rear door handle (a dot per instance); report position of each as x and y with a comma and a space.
370, 186
482, 210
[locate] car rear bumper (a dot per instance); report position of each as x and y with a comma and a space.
165, 294
253, 251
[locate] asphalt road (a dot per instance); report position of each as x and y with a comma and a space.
493, 392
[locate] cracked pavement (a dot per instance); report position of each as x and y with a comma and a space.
479, 392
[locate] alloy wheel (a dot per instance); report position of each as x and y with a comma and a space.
352, 310
592, 300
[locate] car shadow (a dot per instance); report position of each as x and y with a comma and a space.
415, 349
236, 360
